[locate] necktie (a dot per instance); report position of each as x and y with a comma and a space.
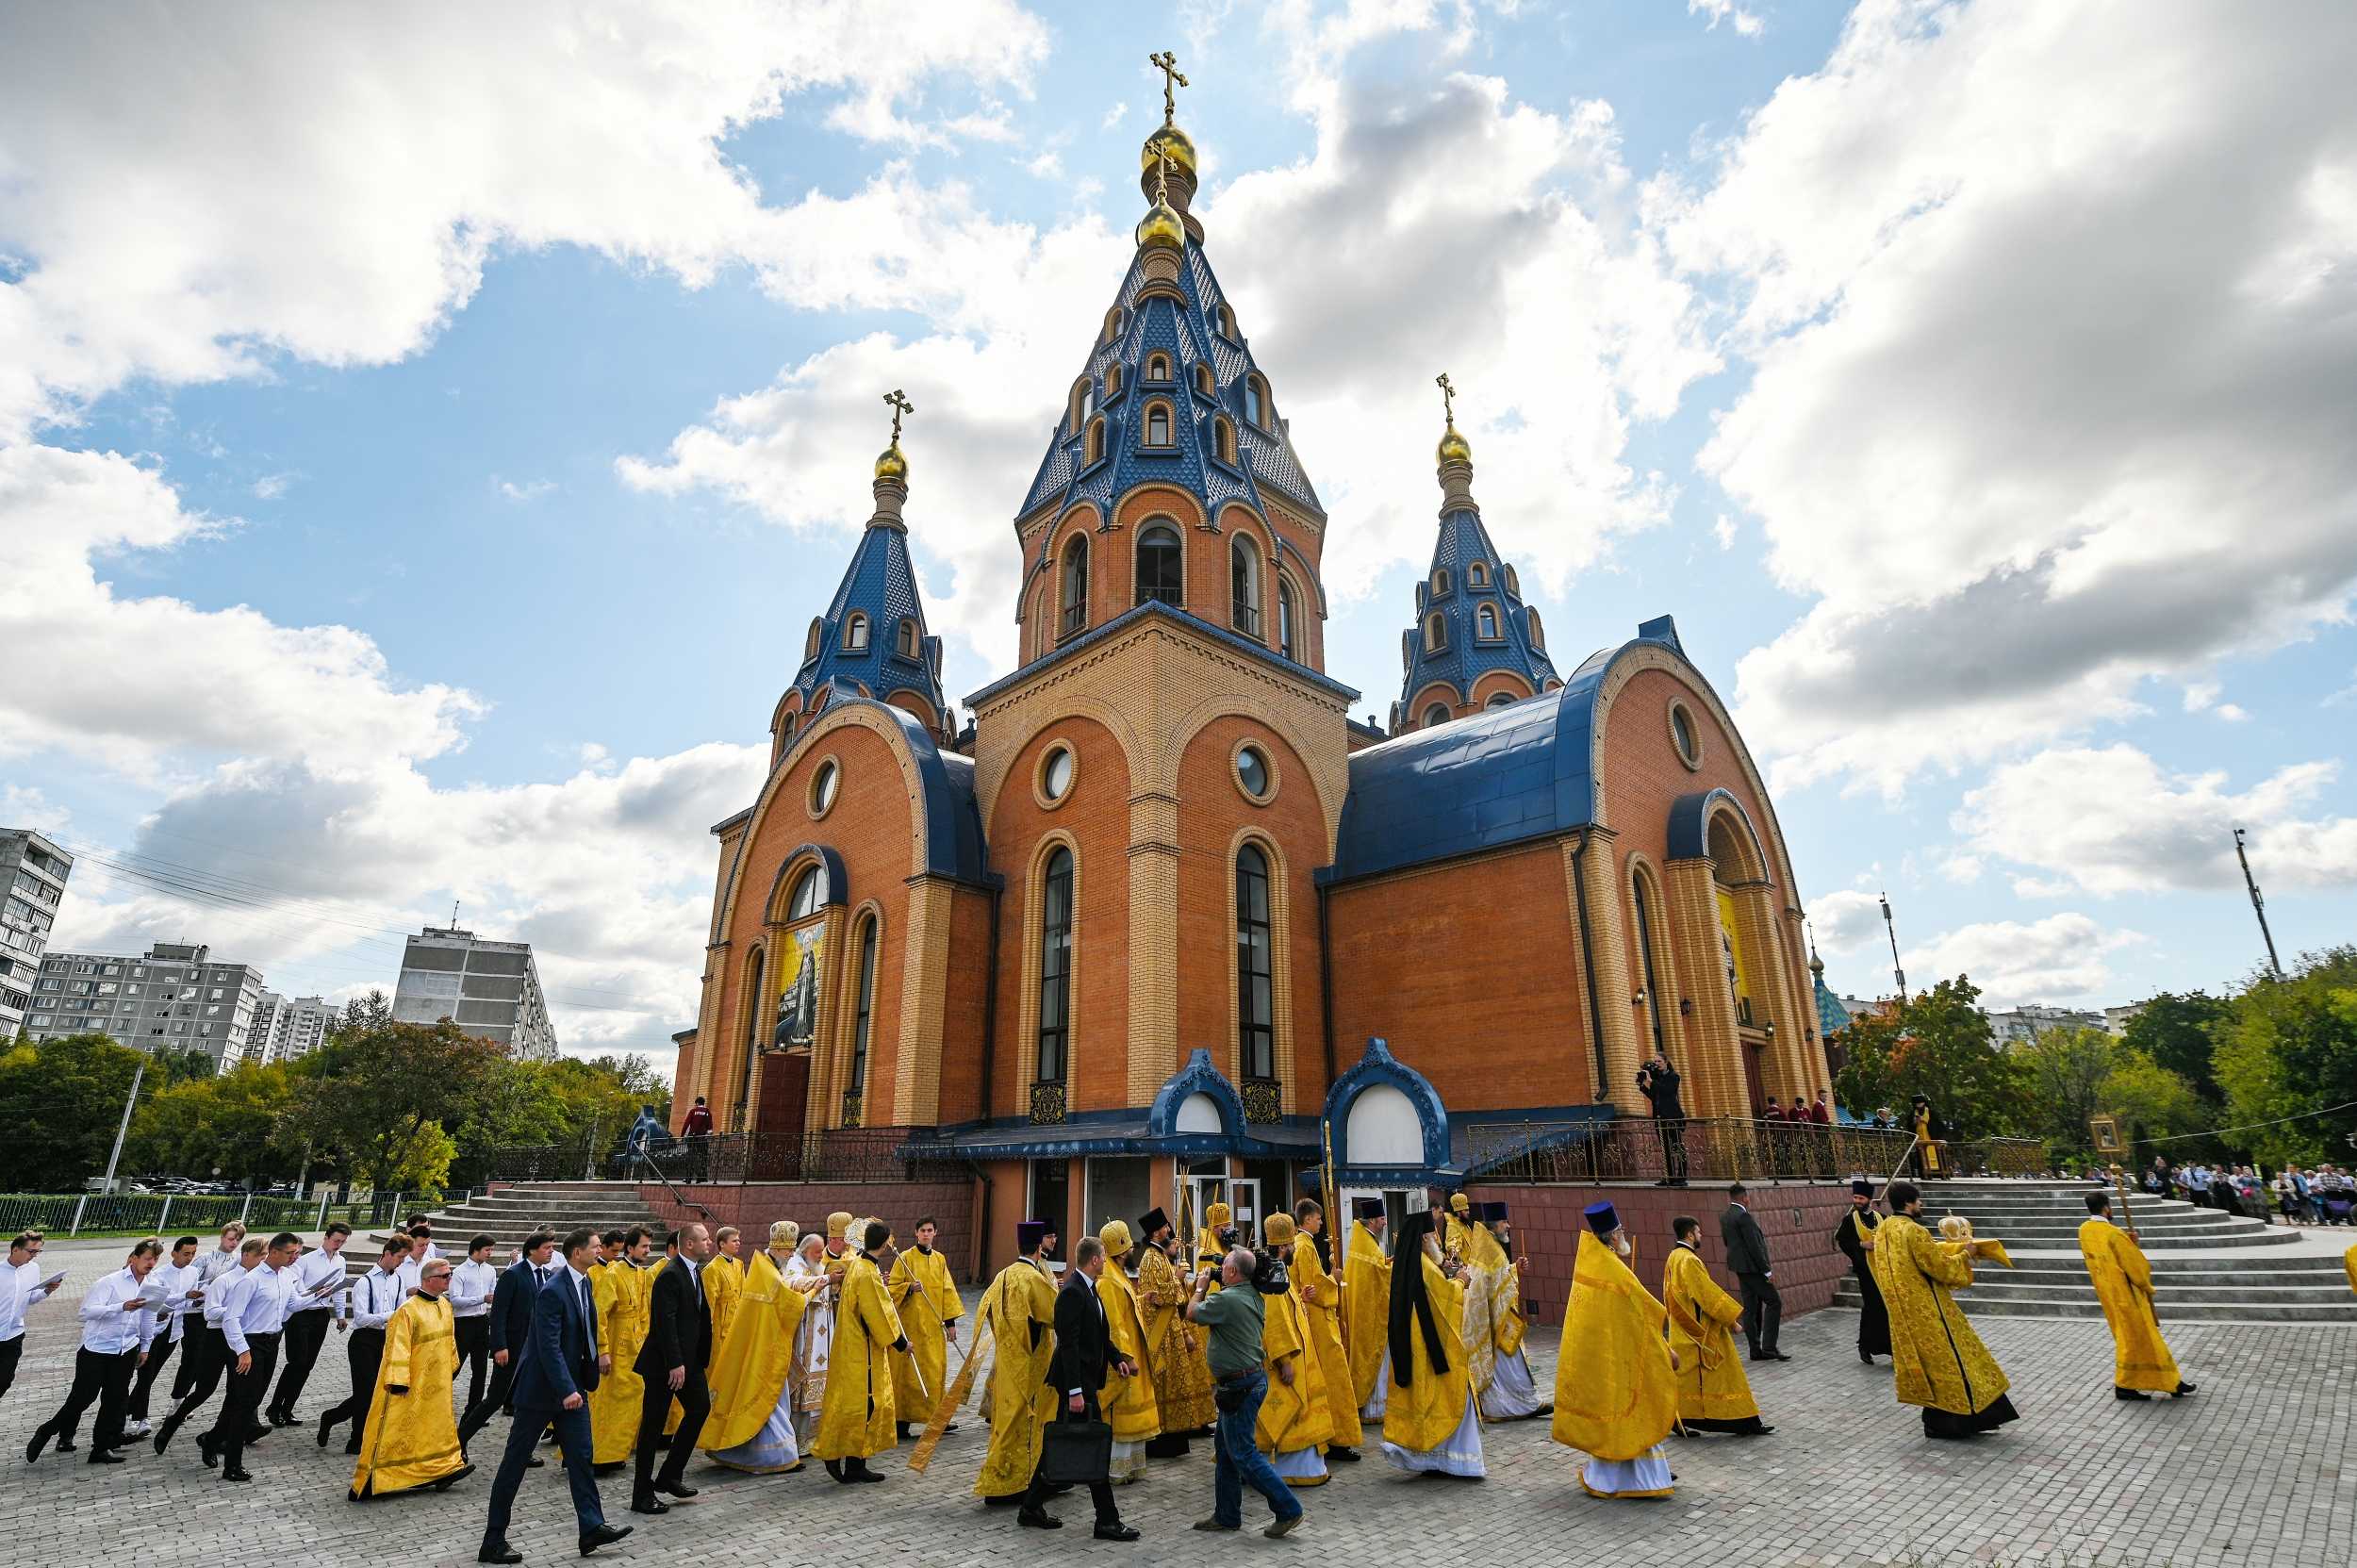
588, 1318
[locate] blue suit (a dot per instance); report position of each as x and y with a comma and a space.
561, 1361
511, 1331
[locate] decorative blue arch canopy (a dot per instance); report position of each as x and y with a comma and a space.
1380, 1067
1197, 1077
835, 888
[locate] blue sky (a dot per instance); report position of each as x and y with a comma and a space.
422, 454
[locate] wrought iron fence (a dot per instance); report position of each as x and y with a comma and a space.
577, 1160
1728, 1149
870, 1154
164, 1213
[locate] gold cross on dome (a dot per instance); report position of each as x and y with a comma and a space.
1162, 174
1167, 63
901, 405
1448, 398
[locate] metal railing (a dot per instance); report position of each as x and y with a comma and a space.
158, 1213
1718, 1149
870, 1154
577, 1160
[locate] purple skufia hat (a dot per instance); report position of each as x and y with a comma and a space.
1601, 1218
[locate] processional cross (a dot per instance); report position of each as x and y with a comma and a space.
901, 405
1167, 63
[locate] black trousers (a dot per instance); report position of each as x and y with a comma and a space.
1763, 1313
474, 1353
306, 1332
150, 1370
1101, 1493
366, 1353
240, 1408
200, 1359
478, 1412
654, 1408
106, 1380
11, 1351
1672, 1133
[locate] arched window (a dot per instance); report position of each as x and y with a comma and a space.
1035, 624
1076, 587
1255, 403
810, 644
1159, 564
1476, 575
855, 633
757, 1028
1255, 986
1500, 699
804, 902
1243, 579
1436, 716
1224, 440
1113, 326
1645, 950
1285, 618
1537, 633
1203, 382
1486, 622
1055, 967
1439, 581
1097, 441
1227, 320
1083, 402
785, 730
1435, 631
1113, 380
864, 1014
1158, 366
1513, 583
905, 639
1157, 424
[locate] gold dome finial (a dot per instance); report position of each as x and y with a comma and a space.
890, 463
1167, 137
1161, 225
1454, 447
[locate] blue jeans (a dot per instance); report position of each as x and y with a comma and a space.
1241, 1463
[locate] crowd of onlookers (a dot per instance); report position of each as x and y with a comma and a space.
2321, 1195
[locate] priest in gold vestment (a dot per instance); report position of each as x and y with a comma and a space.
1494, 1296
1616, 1394
1714, 1395
723, 1282
411, 1439
1367, 1306
1296, 1418
752, 1424
1176, 1356
622, 1292
928, 1303
1429, 1422
1942, 1367
1018, 1310
857, 1422
1320, 1298
2141, 1365
1127, 1404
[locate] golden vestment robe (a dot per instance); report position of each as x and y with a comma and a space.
2123, 1284
411, 1439
1175, 1352
1711, 1380
1322, 1321
1366, 1308
1422, 1414
1615, 1394
1020, 1300
1208, 1252
857, 1419
923, 1312
1940, 1362
623, 1293
2348, 1266
1125, 1403
723, 1279
749, 1374
1297, 1415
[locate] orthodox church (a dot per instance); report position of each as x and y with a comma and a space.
1163, 918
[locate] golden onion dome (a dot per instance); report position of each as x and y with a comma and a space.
1181, 148
890, 463
1161, 227
1452, 448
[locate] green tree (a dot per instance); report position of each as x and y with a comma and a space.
379, 1097
1948, 1055
1867, 1083
2177, 1032
2288, 1049
2149, 1100
62, 1101
240, 1124
2066, 1069
168, 1066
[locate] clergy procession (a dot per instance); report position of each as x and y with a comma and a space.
1286, 1352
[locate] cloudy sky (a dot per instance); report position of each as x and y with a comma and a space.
421, 447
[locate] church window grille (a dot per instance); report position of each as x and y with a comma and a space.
1159, 564
1245, 587
1055, 967
1256, 1012
1075, 616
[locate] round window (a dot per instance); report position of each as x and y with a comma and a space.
822, 787
1057, 776
1252, 773
1682, 735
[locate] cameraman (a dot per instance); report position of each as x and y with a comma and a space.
1658, 1083
1234, 1318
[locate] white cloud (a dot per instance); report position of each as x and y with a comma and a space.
1114, 117
2110, 821
271, 486
1847, 921
2051, 316
1724, 530
1962, 868
2233, 713
22, 806
2201, 695
2062, 957
1748, 24
530, 490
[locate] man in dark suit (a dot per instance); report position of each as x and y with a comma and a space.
511, 1330
552, 1387
678, 1343
1747, 1255
1076, 1370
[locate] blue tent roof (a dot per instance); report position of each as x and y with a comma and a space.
880, 584
1464, 655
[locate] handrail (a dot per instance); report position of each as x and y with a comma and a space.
673, 1193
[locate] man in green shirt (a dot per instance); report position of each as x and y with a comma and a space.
1234, 1317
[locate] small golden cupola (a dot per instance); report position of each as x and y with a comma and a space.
1454, 456
1168, 167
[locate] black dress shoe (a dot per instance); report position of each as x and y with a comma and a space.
67, 1446
2182, 1389
1778, 1356
236, 1476
2138, 1395
1038, 1519
604, 1535
255, 1434
210, 1455
328, 1424
1343, 1455
163, 1434
648, 1506
1866, 1356
104, 1455
675, 1488
1116, 1531
534, 1462
498, 1551
39, 1440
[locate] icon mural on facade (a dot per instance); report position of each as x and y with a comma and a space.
798, 1005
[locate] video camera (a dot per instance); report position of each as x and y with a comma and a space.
1271, 1266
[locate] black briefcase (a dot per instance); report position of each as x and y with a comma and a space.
1074, 1452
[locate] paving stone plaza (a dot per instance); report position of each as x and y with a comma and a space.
2253, 1470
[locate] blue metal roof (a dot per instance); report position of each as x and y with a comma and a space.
954, 822
1464, 657
881, 583
1497, 777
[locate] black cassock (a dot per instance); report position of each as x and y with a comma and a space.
1873, 1320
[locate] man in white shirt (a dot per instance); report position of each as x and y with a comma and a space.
308, 1314
470, 1287
373, 1299
20, 1287
202, 1349
176, 1274
117, 1323
204, 1337
251, 1323
422, 1241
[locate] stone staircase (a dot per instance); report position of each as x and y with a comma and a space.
511, 1213
2207, 1266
